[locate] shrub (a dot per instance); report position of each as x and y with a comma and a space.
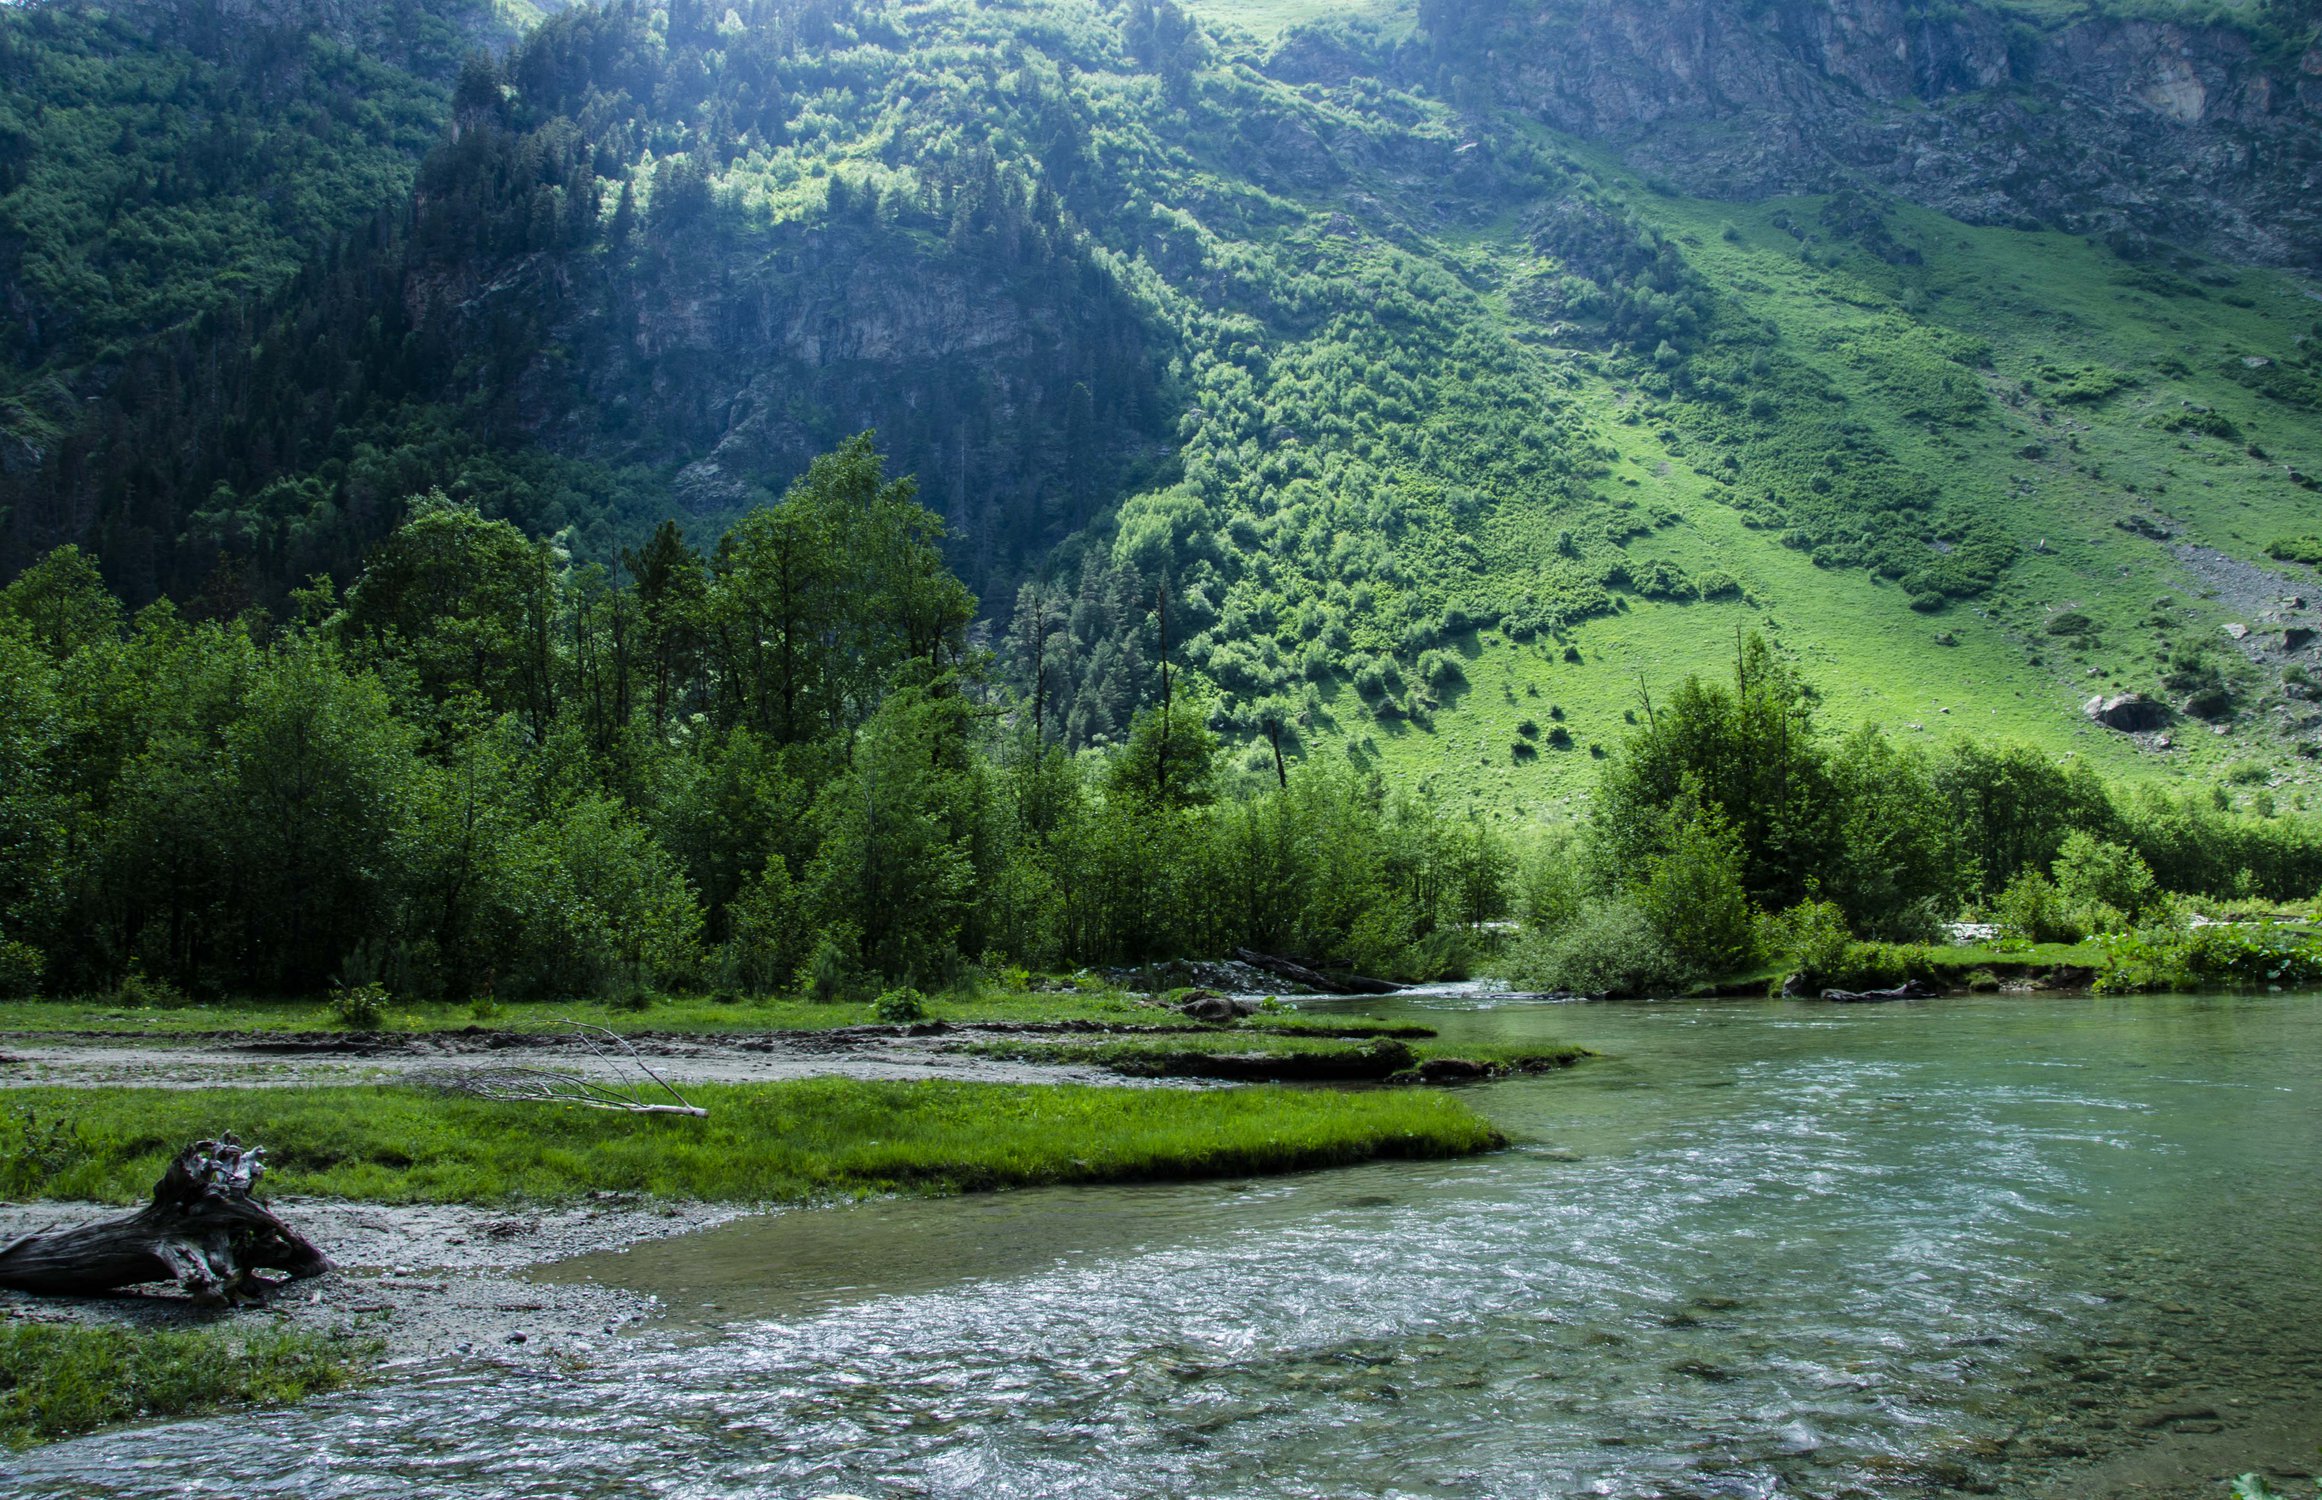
900, 1006
21, 966
2095, 878
826, 975
2032, 910
33, 1150
1608, 948
1809, 941
139, 991
1692, 893
359, 1007
2239, 956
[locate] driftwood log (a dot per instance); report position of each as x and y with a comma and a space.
202, 1230
1313, 979
1909, 989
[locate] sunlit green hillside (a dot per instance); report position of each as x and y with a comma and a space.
1446, 437
2178, 443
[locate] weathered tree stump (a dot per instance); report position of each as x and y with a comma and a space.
202, 1230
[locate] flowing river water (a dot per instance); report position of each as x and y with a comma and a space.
2009, 1245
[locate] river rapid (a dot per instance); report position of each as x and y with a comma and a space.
2012, 1245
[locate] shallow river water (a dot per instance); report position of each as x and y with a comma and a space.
2007, 1245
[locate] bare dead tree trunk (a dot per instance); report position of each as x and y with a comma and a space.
202, 1230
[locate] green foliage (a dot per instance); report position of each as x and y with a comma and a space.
2218, 955
360, 1007
898, 1006
59, 1381
1751, 754
2032, 910
21, 966
2107, 884
1609, 947
1692, 894
826, 976
1809, 941
35, 1149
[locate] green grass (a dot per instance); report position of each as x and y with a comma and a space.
761, 1143
56, 1381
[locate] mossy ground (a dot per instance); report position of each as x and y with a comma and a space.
58, 1380
61, 1380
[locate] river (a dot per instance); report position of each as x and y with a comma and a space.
2024, 1246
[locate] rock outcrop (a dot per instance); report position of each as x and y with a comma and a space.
2134, 129
2130, 713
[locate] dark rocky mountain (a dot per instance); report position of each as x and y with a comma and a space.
2140, 128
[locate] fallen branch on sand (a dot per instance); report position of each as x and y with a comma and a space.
202, 1230
557, 1086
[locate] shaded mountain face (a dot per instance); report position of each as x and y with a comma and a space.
2138, 129
1448, 369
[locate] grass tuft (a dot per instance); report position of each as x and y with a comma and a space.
56, 1381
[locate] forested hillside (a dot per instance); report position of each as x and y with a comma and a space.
1391, 348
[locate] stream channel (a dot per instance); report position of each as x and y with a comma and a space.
2013, 1245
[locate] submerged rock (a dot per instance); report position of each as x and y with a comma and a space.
1909, 989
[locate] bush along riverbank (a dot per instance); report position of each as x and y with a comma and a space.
1732, 838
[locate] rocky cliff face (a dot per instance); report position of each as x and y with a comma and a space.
1019, 385
2197, 134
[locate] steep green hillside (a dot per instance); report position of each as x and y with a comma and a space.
159, 163
1378, 340
2103, 417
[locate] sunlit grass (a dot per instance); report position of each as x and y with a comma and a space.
777, 1142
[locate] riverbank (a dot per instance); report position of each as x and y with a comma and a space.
435, 1207
1137, 1042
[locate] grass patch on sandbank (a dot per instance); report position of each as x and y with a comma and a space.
1238, 1053
693, 1013
59, 1380
762, 1143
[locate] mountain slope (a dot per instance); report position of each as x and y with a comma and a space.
1387, 345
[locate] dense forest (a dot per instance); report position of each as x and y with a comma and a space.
485, 769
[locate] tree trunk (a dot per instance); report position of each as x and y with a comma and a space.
202, 1230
